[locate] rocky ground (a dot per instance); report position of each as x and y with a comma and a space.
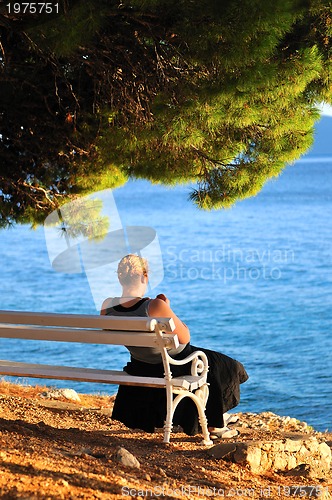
59, 449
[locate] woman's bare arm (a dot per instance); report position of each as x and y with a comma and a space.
159, 307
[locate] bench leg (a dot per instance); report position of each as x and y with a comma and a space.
199, 398
168, 426
170, 409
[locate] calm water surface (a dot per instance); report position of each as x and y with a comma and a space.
253, 282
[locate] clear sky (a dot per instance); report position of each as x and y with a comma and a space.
326, 110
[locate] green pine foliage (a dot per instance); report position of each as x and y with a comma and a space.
77, 28
219, 93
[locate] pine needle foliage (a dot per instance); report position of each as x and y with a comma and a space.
219, 93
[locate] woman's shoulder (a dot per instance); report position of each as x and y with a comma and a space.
106, 304
160, 307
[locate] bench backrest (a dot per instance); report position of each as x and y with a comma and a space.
92, 329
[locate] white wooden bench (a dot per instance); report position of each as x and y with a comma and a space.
114, 330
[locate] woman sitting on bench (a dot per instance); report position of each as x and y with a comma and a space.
145, 408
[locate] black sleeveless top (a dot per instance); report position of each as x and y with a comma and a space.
149, 355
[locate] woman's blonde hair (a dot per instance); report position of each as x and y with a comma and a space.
131, 268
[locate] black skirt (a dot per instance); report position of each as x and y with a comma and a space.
145, 408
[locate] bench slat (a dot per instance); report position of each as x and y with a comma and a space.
108, 330
85, 321
140, 339
18, 369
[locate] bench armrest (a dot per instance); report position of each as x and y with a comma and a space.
198, 360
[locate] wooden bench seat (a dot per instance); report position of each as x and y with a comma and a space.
117, 377
109, 330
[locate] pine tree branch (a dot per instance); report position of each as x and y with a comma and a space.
40, 189
215, 161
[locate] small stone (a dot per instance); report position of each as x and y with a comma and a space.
292, 445
254, 458
265, 462
280, 462
126, 458
325, 451
61, 393
222, 450
249, 453
291, 462
84, 453
303, 451
70, 394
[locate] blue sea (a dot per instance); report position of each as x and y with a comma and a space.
253, 281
